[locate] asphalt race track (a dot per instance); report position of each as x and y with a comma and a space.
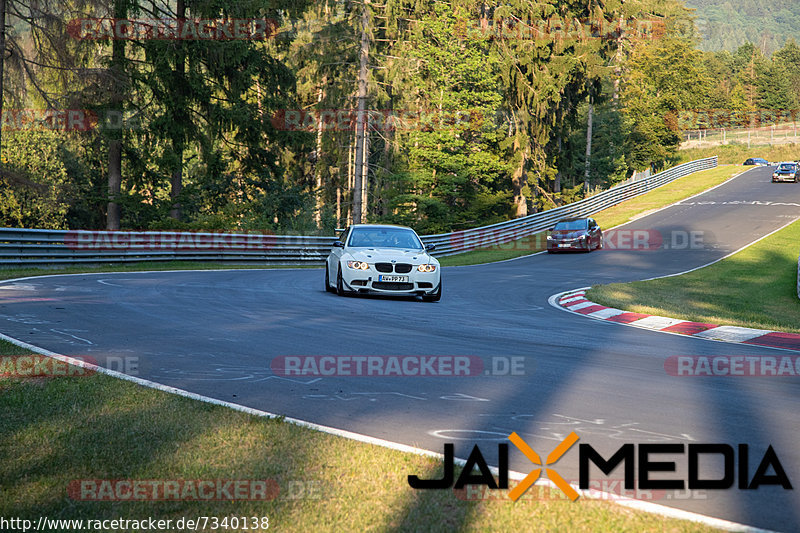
216, 333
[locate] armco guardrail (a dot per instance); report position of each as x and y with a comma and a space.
459, 241
31, 247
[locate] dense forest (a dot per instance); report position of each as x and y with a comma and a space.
728, 24
299, 117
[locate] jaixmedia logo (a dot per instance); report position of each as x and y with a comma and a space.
736, 462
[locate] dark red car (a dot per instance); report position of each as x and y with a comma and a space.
580, 234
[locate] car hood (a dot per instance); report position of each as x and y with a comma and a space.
568, 234
785, 171
374, 255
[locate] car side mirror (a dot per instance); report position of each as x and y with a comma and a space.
430, 247
551, 229
338, 244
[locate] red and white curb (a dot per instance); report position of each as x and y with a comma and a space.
641, 505
575, 301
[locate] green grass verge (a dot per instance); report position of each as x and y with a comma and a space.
490, 254
608, 218
57, 430
755, 288
736, 154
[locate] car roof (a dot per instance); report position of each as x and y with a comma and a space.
571, 219
379, 226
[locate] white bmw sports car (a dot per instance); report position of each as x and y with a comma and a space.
383, 259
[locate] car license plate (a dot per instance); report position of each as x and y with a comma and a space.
564, 245
393, 278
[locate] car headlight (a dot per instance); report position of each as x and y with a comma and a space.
358, 265
426, 268
549, 237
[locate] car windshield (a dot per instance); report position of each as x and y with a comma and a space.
787, 167
384, 238
571, 225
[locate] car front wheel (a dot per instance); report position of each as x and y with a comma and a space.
328, 287
340, 284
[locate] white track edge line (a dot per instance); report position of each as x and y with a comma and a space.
648, 507
676, 202
746, 246
501, 261
632, 220
214, 401
259, 269
552, 301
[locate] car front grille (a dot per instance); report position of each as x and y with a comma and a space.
392, 286
400, 268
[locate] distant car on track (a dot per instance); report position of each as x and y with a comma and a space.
758, 161
786, 171
575, 234
383, 259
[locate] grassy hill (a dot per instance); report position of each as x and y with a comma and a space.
727, 24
